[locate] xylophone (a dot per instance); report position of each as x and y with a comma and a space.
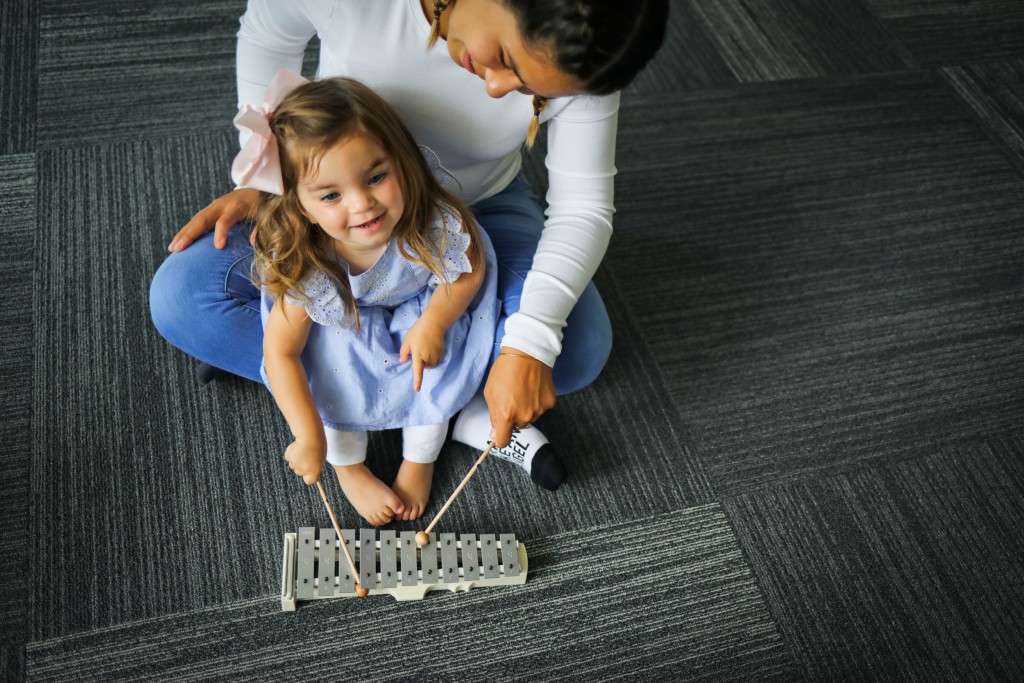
315, 566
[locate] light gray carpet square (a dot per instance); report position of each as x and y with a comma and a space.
667, 597
900, 571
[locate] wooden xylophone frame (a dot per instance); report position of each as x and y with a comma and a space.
395, 564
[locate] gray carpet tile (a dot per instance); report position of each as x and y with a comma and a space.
112, 71
664, 597
687, 59
901, 571
17, 234
620, 438
844, 273
951, 32
995, 94
19, 63
137, 467
126, 467
770, 40
12, 662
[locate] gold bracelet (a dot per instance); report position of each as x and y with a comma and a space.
515, 355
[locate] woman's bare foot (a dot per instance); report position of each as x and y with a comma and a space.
372, 499
413, 486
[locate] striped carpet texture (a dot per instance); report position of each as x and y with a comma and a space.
802, 462
842, 268
667, 596
17, 225
995, 94
907, 571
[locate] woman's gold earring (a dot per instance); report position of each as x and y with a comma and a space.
435, 26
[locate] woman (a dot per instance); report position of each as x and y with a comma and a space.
559, 62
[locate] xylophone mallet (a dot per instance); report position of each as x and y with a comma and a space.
423, 537
360, 591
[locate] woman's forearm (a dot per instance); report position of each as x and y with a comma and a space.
581, 186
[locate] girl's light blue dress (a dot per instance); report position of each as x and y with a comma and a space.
356, 379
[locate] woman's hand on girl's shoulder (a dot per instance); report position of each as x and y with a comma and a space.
222, 213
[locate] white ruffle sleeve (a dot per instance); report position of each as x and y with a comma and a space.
323, 302
448, 245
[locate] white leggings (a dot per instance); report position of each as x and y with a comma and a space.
419, 444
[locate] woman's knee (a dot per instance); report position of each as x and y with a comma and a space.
170, 295
586, 343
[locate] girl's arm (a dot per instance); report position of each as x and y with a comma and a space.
424, 342
449, 302
283, 342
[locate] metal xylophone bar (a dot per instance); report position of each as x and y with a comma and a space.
314, 566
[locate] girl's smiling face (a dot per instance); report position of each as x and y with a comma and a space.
354, 196
483, 38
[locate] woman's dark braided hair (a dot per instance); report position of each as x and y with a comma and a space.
604, 44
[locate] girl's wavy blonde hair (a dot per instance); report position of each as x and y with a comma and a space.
310, 121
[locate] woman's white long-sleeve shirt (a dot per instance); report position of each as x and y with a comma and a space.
478, 138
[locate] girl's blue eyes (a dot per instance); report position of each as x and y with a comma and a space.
372, 182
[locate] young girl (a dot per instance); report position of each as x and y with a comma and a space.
378, 302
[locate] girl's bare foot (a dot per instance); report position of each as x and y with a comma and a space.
413, 486
372, 499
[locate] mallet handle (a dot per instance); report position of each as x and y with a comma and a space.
465, 479
337, 529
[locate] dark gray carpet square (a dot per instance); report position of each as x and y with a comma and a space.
844, 272
901, 571
995, 93
19, 64
948, 32
114, 71
17, 234
771, 40
687, 60
128, 463
684, 603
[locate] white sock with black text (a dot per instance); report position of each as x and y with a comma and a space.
529, 448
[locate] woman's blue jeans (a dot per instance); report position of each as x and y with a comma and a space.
203, 301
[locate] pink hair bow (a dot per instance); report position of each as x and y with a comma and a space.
258, 165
